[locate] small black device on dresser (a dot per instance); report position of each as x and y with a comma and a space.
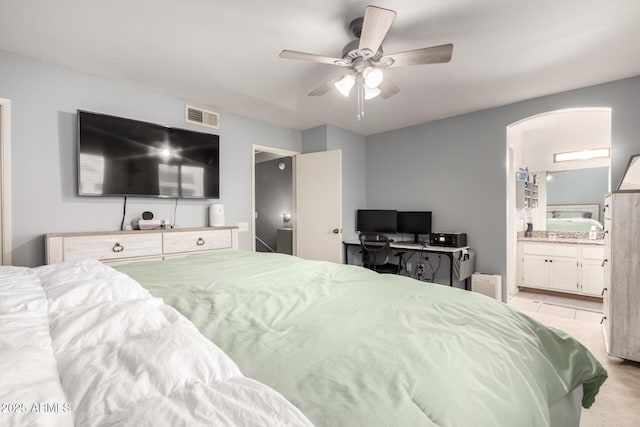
453, 240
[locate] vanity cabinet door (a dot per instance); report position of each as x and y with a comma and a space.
535, 271
563, 274
594, 265
592, 277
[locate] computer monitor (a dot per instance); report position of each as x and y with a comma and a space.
376, 221
415, 223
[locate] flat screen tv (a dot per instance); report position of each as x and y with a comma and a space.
376, 221
124, 157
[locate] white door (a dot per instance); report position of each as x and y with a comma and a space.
535, 273
563, 274
319, 206
592, 277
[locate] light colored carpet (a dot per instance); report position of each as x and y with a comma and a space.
618, 403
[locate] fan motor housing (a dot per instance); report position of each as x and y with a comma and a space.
351, 51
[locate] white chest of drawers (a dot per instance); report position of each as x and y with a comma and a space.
118, 247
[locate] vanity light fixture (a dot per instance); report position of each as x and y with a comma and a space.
595, 153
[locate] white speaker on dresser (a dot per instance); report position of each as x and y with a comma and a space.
216, 214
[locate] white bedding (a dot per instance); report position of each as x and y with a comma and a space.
81, 343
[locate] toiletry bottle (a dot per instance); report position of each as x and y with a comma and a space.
593, 233
529, 231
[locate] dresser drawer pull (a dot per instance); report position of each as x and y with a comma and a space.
602, 294
200, 241
603, 319
117, 248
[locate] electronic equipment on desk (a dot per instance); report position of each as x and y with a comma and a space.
391, 222
416, 223
376, 221
452, 240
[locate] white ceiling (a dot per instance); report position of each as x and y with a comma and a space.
224, 54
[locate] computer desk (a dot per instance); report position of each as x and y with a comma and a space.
417, 247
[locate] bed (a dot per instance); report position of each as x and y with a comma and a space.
350, 347
84, 345
573, 218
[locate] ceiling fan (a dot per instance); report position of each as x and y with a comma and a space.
365, 58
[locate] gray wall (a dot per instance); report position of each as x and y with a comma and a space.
274, 187
456, 167
314, 139
578, 186
44, 99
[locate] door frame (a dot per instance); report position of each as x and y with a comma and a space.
284, 153
5, 181
511, 279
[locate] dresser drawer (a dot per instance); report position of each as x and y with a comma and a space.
193, 241
106, 247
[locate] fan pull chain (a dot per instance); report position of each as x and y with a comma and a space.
360, 84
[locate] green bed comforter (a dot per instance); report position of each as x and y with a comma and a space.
350, 347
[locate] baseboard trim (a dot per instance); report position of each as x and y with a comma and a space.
560, 294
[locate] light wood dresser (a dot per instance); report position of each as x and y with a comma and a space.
621, 293
120, 247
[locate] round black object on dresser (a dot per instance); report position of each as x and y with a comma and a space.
147, 215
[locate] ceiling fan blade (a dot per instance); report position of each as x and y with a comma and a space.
321, 90
375, 27
388, 88
303, 56
427, 55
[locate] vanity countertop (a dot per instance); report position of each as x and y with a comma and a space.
565, 240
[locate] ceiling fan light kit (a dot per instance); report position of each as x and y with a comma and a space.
345, 84
370, 93
372, 77
365, 57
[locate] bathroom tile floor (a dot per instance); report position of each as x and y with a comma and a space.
570, 308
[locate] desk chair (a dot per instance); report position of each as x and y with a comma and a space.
376, 254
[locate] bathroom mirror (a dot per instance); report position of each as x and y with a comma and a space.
571, 200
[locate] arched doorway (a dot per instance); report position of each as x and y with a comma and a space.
532, 142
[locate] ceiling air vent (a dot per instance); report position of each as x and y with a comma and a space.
202, 117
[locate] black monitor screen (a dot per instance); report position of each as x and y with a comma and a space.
414, 222
376, 221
